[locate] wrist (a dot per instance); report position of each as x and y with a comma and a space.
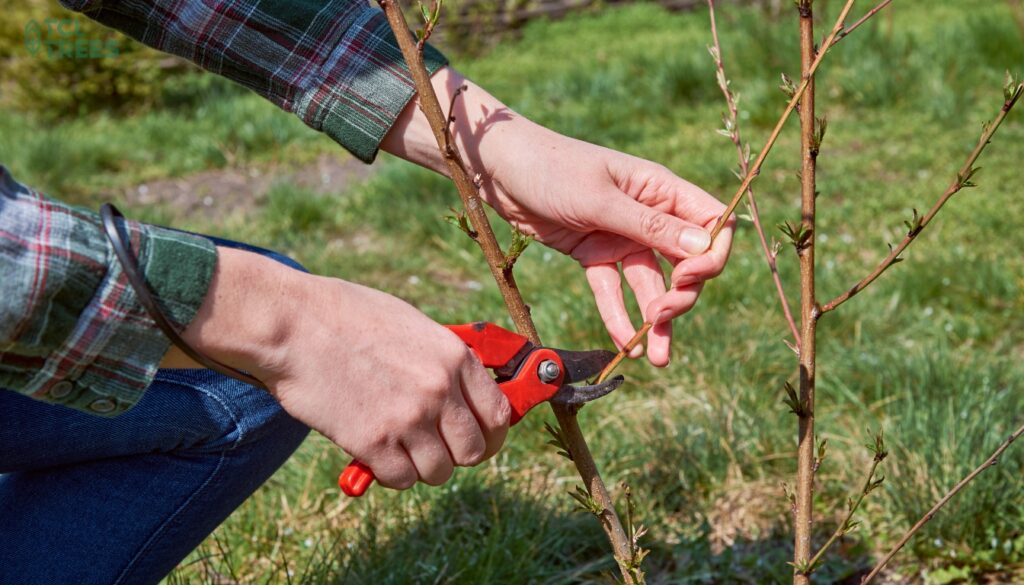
245, 320
489, 135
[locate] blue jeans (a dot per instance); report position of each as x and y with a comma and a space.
87, 500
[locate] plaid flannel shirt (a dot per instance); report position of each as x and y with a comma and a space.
71, 329
334, 63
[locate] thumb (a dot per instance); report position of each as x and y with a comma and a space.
664, 232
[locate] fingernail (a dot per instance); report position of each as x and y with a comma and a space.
637, 351
694, 241
664, 315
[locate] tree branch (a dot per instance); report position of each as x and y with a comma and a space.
992, 460
809, 147
1013, 93
860, 21
755, 169
496, 261
732, 129
870, 485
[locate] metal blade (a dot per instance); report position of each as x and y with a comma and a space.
584, 394
582, 365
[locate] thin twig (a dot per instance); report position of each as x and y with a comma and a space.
961, 181
861, 21
626, 349
845, 526
732, 126
449, 143
755, 169
992, 460
429, 22
496, 261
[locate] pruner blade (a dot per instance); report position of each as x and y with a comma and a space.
577, 395
583, 365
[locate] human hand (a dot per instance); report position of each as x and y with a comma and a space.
602, 207
394, 389
607, 209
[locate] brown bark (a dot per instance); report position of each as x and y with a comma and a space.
732, 126
808, 305
755, 169
496, 261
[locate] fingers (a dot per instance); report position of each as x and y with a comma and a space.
607, 286
643, 273
673, 303
653, 228
471, 425
462, 434
490, 411
393, 468
707, 265
430, 456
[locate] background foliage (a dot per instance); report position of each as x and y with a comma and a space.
931, 354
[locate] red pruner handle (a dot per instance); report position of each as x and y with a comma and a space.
494, 347
356, 479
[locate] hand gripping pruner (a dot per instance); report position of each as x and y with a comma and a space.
526, 374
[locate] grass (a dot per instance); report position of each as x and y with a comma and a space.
931, 354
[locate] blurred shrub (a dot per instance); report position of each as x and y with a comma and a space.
56, 63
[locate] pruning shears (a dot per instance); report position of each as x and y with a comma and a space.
526, 374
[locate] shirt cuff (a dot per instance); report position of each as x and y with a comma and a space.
363, 86
113, 351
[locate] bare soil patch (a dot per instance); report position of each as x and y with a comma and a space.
242, 189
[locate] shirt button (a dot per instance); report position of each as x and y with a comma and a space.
101, 405
61, 389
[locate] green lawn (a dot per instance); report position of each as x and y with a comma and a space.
931, 354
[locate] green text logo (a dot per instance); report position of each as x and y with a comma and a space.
62, 38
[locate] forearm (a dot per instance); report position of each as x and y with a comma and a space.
333, 63
247, 315
487, 132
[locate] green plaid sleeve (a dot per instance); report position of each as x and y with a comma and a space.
72, 331
334, 63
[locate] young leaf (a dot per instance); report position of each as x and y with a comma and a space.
586, 502
557, 441
874, 485
963, 180
798, 235
519, 243
914, 225
1012, 87
796, 406
818, 135
787, 86
459, 220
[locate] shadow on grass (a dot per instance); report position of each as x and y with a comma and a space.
512, 534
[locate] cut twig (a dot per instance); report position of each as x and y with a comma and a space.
992, 460
733, 131
626, 349
962, 180
496, 261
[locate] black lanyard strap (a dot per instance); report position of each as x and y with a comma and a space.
130, 265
